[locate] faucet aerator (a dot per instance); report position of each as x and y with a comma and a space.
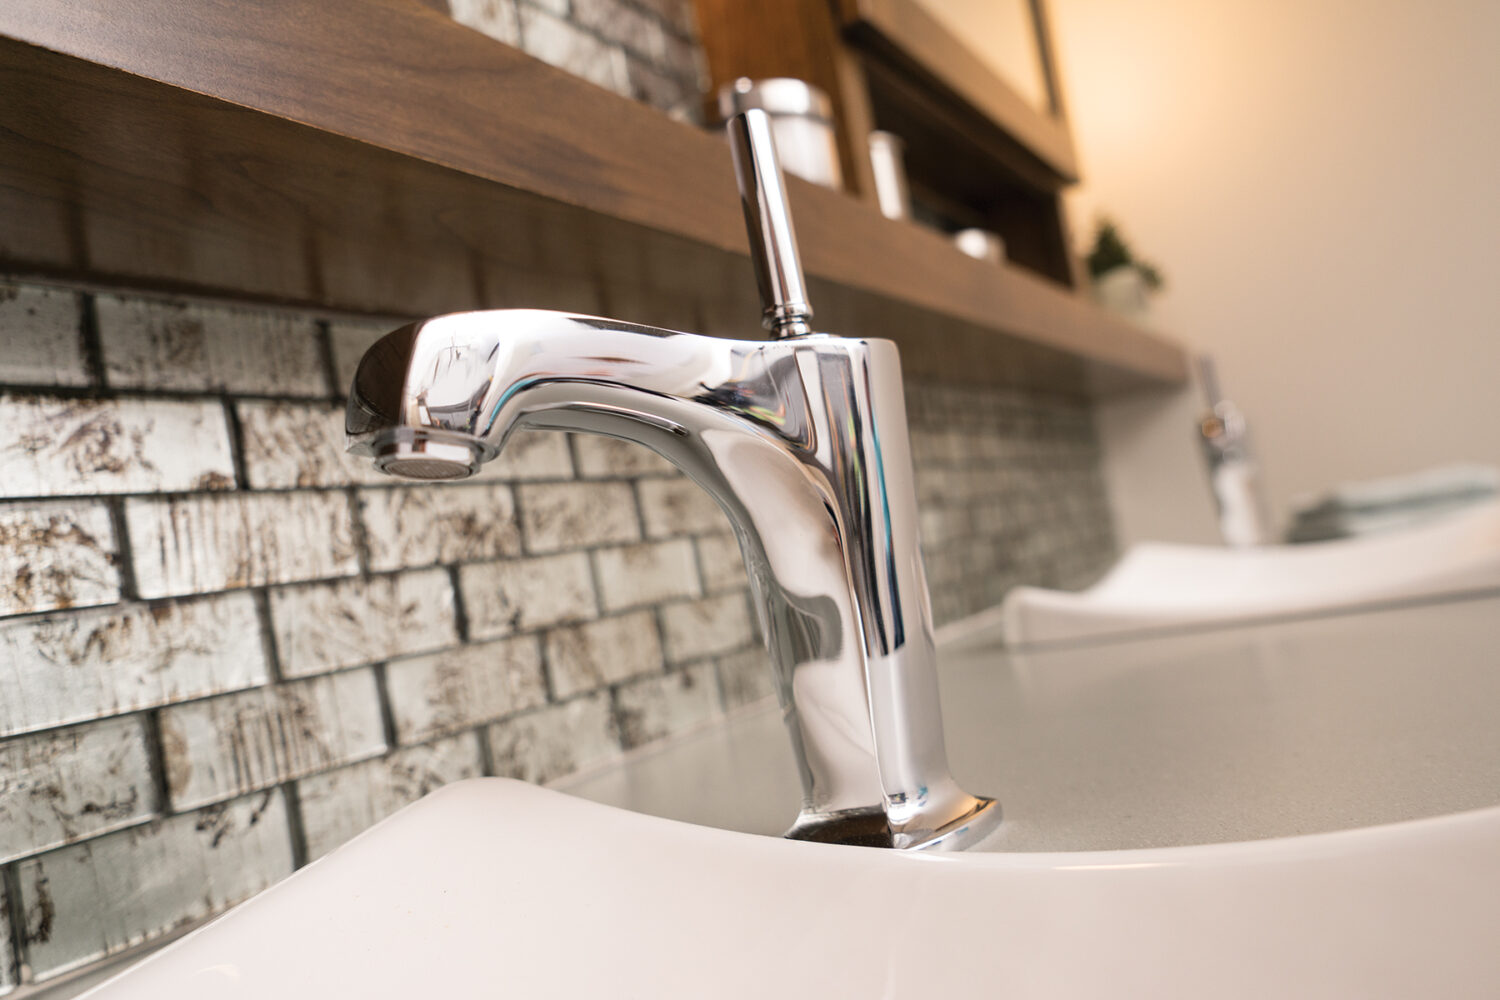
421, 457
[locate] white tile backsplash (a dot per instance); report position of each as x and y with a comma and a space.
655, 707
706, 627
634, 575
236, 743
556, 740
41, 340
58, 554
337, 805
502, 597
324, 626
584, 657
70, 784
464, 687
201, 543
52, 446
161, 344
679, 507
97, 898
558, 516
69, 667
420, 526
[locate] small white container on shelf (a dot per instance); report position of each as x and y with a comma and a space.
801, 122
981, 244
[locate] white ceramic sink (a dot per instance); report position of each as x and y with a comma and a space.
1160, 585
1301, 809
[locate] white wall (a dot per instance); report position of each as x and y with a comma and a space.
1318, 180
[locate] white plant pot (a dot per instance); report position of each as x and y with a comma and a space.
1122, 290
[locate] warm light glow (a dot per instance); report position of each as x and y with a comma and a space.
1314, 181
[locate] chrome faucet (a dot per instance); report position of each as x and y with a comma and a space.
803, 442
1233, 472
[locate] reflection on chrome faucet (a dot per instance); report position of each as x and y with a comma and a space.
803, 442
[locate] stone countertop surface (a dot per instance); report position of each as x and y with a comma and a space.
1214, 735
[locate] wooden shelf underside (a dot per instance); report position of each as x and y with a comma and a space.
378, 158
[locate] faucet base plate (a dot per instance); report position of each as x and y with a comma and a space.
973, 819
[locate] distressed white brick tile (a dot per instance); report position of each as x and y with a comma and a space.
192, 544
679, 507
496, 18
625, 25
679, 96
97, 898
463, 687
323, 626
153, 344
660, 706
337, 805
706, 627
532, 455
647, 573
942, 525
555, 41
723, 565
574, 515
52, 447
745, 677
41, 339
236, 743
682, 59
555, 741
287, 445
418, 526
926, 445
678, 14
590, 656
515, 594
349, 340
607, 457
68, 784
75, 666
56, 555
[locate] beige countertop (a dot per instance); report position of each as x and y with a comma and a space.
1242, 733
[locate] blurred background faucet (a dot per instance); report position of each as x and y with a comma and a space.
1233, 472
803, 442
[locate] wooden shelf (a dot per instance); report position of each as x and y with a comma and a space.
906, 32
377, 157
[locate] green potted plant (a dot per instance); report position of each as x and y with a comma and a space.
1122, 281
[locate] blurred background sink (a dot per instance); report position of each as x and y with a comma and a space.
1160, 585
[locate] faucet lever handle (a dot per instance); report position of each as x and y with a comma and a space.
768, 222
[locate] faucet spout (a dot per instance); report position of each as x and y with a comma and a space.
803, 442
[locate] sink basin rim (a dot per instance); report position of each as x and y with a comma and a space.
1371, 912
